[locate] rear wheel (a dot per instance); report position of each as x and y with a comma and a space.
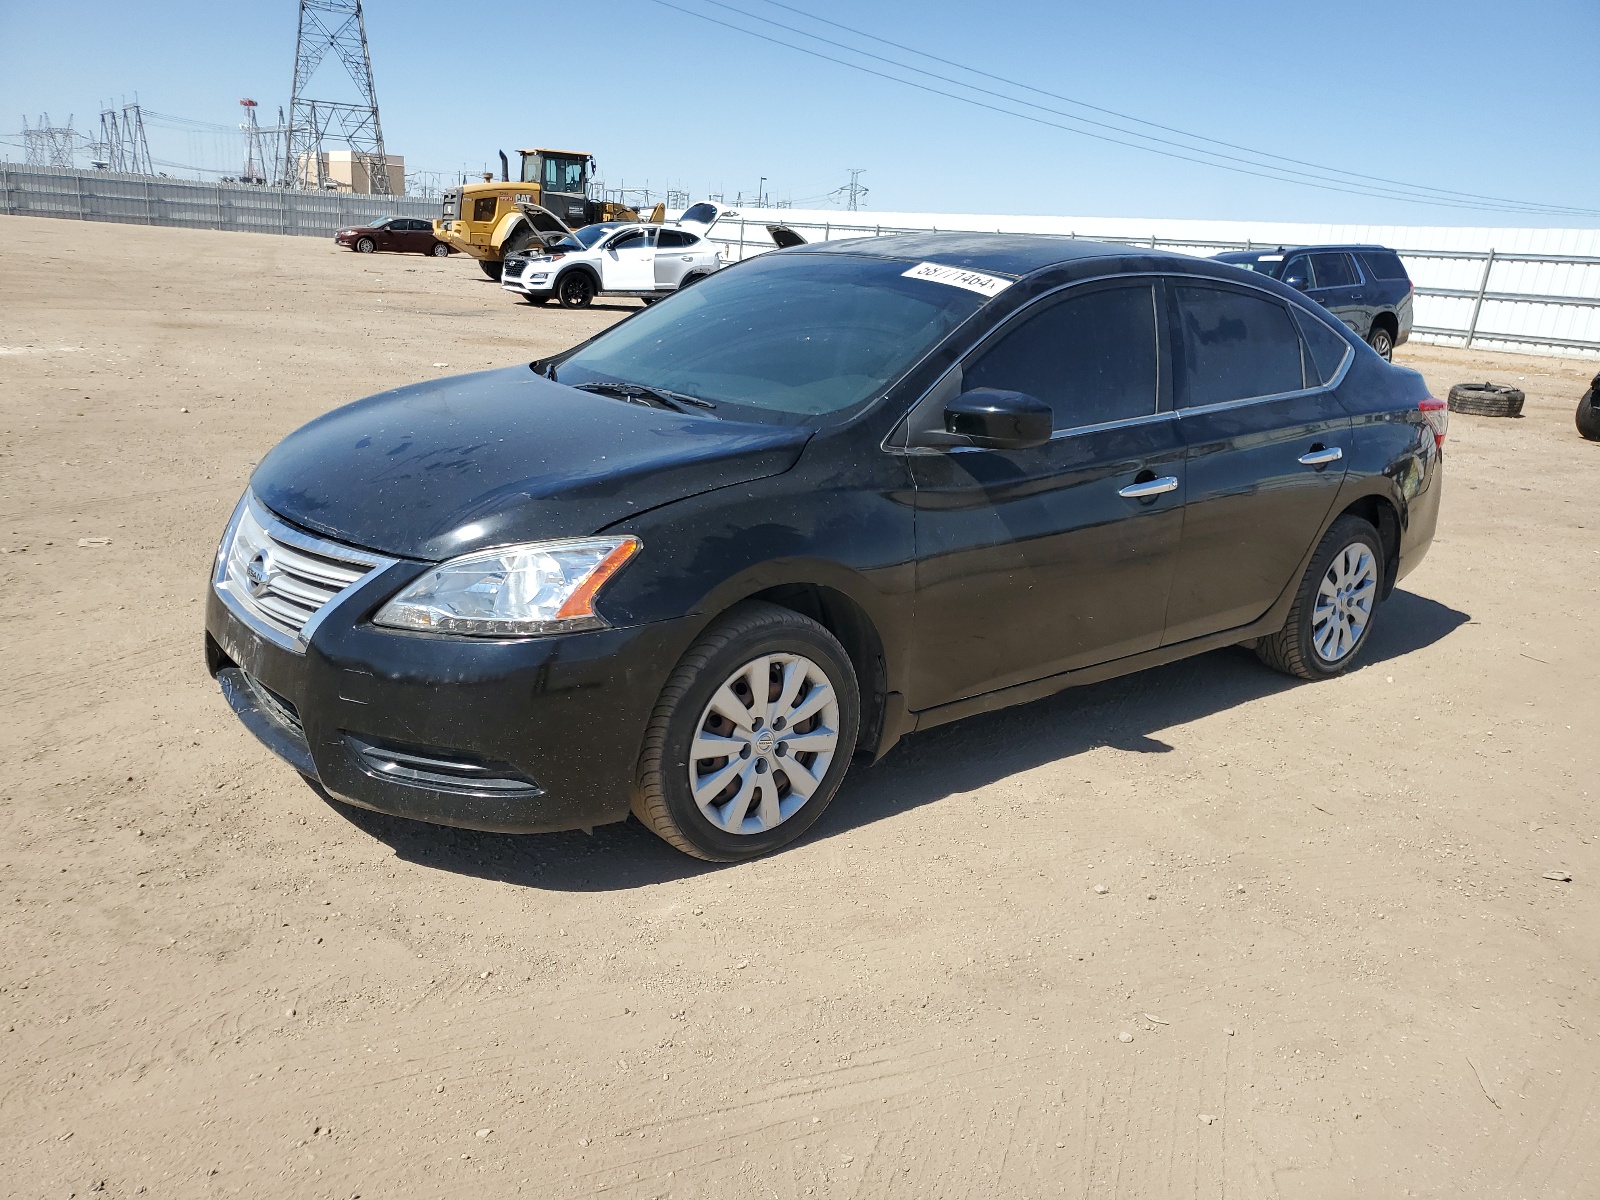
751, 737
1332, 612
365, 246
440, 250
1588, 415
1381, 340
576, 289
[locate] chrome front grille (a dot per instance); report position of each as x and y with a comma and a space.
281, 580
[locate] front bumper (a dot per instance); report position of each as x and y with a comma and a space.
515, 736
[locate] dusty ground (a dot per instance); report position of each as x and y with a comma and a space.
1327, 929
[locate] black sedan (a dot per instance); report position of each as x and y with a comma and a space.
699, 565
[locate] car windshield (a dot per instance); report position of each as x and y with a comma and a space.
784, 337
590, 234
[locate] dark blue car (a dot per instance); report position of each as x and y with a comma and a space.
1366, 287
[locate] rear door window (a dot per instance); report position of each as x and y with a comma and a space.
1091, 357
1384, 265
672, 239
1236, 345
1325, 349
1333, 270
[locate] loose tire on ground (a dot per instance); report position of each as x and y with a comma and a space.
575, 289
1294, 649
365, 246
766, 641
1589, 412
440, 250
1380, 339
1486, 400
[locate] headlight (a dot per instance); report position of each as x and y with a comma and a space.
517, 591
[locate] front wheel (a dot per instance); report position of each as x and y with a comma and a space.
366, 246
1331, 616
751, 737
536, 301
575, 290
440, 250
1381, 340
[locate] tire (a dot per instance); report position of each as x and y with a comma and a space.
1348, 567
1486, 400
647, 301
365, 246
536, 301
1382, 341
575, 289
692, 277
714, 675
491, 268
1588, 415
440, 250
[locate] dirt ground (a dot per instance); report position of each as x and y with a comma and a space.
1328, 961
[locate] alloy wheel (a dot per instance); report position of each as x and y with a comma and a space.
764, 743
1345, 597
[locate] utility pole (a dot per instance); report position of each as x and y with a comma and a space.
335, 26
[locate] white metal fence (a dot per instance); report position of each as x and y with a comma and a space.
151, 200
1534, 290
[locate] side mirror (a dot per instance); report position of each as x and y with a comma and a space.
998, 420
1296, 281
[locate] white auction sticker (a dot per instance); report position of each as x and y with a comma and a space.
973, 281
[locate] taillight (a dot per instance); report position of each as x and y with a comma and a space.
1437, 413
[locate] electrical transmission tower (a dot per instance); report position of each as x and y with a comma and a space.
852, 193
337, 27
122, 145
255, 155
48, 145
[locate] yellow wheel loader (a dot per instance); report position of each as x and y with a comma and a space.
485, 220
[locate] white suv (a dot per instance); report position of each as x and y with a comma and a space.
647, 261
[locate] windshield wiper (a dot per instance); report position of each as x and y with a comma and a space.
638, 393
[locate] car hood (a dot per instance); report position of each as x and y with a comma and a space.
438, 469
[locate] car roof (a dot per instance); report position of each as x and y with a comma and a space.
1257, 252
568, 153
1015, 254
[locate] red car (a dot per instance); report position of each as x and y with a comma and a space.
404, 234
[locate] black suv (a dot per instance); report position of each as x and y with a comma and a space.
1366, 287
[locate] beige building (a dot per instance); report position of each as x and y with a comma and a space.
349, 171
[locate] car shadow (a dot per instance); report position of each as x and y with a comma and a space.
1127, 713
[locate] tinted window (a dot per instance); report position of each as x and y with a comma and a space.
1091, 358
483, 209
782, 337
703, 213
1384, 265
1236, 346
671, 239
1333, 270
563, 174
1325, 349
633, 239
1297, 272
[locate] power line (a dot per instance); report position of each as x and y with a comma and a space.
1265, 171
1121, 116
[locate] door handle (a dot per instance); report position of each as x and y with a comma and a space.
1150, 487
1320, 457
688, 258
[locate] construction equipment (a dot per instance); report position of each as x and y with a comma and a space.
484, 220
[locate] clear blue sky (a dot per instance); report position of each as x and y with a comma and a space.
1474, 95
